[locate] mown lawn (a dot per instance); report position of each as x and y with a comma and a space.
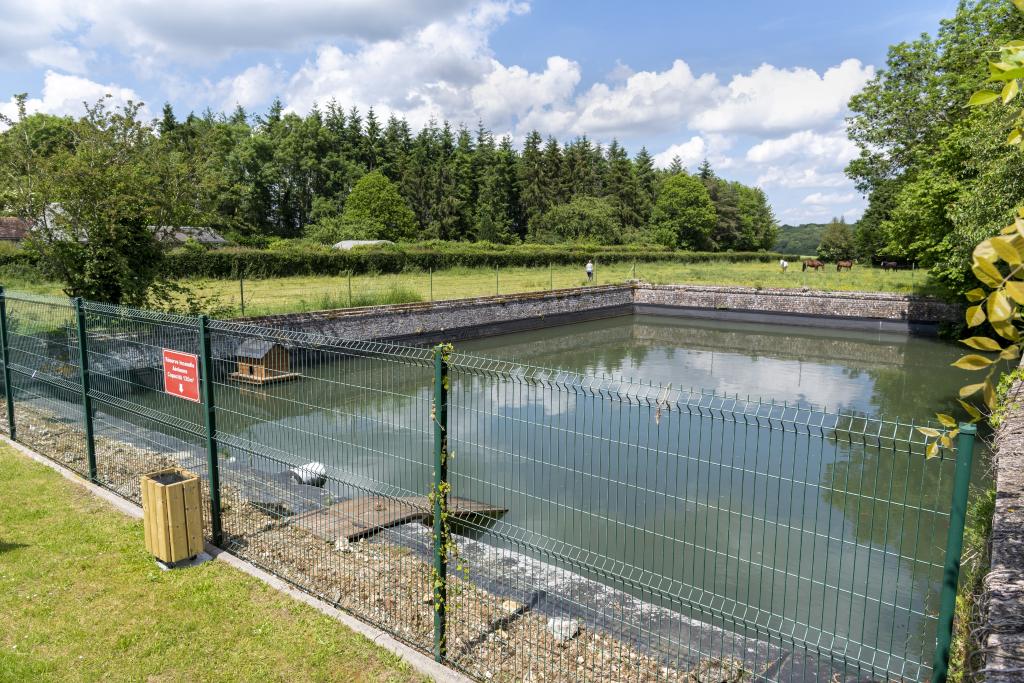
292, 294
81, 600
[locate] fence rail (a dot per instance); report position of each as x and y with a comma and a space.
519, 523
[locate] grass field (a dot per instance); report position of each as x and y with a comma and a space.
294, 294
310, 293
82, 601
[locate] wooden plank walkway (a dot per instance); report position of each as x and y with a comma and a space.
365, 516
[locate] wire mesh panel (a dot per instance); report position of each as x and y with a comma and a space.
324, 445
604, 529
140, 427
45, 380
677, 533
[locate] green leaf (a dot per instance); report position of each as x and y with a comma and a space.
1004, 248
970, 389
1015, 137
929, 432
1015, 290
975, 315
1019, 4
976, 294
998, 307
984, 251
1010, 353
989, 394
1006, 330
945, 420
1010, 91
982, 97
982, 343
987, 273
971, 410
972, 361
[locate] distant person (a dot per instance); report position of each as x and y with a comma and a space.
590, 271
784, 264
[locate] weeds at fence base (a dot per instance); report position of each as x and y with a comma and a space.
384, 584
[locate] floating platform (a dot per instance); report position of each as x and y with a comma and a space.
361, 517
260, 381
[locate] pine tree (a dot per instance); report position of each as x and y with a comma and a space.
621, 188
676, 167
372, 142
554, 173
534, 193
646, 183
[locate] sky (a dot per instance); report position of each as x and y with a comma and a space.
760, 89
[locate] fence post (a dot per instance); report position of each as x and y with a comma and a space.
350, 289
83, 371
954, 547
210, 419
496, 288
241, 292
551, 278
440, 495
5, 344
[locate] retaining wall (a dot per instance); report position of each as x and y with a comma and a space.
470, 318
1004, 585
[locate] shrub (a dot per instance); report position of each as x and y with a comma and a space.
296, 257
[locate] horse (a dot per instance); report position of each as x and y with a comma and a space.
890, 265
813, 263
847, 263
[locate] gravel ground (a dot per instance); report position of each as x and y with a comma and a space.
489, 637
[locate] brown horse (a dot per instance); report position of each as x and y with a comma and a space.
813, 263
848, 264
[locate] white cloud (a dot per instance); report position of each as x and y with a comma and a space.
834, 148
198, 30
797, 176
690, 153
65, 95
249, 88
830, 198
770, 99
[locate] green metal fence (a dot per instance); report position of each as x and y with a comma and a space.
519, 523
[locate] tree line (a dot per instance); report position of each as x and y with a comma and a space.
937, 180
337, 173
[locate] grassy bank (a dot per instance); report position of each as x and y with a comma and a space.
82, 600
975, 564
319, 292
292, 294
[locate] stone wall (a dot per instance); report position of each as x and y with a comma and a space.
864, 310
483, 316
1004, 585
462, 318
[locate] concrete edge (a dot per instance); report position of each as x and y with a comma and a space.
416, 659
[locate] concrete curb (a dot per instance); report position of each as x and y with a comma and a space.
416, 659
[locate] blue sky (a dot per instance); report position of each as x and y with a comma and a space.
759, 88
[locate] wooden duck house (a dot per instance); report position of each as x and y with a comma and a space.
261, 361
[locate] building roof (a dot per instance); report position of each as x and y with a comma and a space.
183, 233
255, 348
14, 228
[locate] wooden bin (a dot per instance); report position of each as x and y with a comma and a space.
172, 514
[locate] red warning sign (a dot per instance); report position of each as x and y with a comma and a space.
181, 375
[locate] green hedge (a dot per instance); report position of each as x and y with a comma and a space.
294, 259
267, 263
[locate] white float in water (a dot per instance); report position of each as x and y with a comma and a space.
312, 474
